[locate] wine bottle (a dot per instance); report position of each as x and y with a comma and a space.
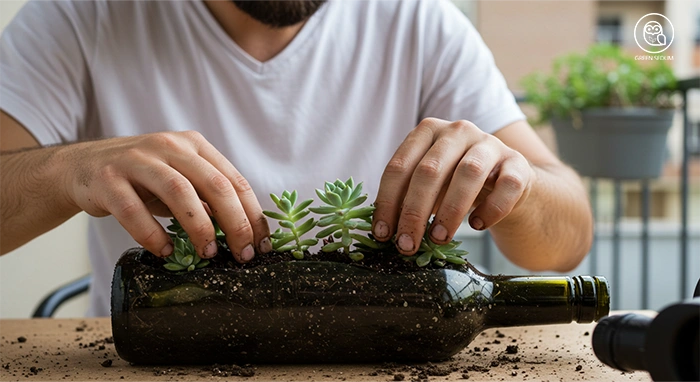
322, 311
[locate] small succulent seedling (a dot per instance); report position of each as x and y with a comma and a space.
184, 257
438, 254
288, 219
177, 231
341, 215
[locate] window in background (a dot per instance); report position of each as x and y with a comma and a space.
609, 30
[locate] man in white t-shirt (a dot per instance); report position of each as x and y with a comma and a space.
128, 110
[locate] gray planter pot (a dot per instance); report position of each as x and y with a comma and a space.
615, 143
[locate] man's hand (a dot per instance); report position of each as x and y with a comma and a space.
448, 168
167, 174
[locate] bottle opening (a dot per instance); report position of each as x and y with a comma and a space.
592, 297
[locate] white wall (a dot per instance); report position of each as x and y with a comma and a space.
30, 272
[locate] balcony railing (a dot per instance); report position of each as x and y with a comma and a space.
612, 261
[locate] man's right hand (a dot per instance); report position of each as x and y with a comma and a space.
167, 174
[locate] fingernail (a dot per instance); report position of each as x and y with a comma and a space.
477, 223
381, 230
247, 253
167, 250
406, 243
439, 233
210, 250
265, 245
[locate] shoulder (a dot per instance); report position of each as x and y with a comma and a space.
89, 17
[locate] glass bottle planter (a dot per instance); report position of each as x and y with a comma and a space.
322, 311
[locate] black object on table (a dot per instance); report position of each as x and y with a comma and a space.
667, 346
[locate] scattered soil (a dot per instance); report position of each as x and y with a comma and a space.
80, 355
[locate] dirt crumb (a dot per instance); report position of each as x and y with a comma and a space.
512, 349
399, 377
230, 370
22, 339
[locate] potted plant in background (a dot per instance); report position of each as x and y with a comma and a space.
354, 300
610, 113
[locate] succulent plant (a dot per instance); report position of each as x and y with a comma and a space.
177, 231
184, 257
288, 219
438, 254
341, 215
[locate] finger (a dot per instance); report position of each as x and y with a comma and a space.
177, 192
246, 196
220, 195
509, 188
470, 176
396, 179
130, 211
431, 174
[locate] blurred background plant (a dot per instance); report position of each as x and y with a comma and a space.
604, 76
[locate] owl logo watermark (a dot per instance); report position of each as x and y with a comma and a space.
654, 33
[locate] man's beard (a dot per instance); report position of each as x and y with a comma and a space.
278, 14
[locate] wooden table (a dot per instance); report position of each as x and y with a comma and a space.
82, 349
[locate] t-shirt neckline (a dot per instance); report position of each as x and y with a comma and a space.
253, 64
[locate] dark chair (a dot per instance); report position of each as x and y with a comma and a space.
55, 299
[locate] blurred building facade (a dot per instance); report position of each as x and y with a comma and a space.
526, 36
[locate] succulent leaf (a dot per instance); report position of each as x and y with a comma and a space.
303, 205
308, 242
356, 256
274, 215
173, 267
286, 248
187, 260
322, 195
323, 210
327, 231
285, 205
364, 226
334, 198
365, 241
424, 259
300, 215
276, 244
330, 247
306, 227
287, 224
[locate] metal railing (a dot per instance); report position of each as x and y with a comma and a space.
689, 128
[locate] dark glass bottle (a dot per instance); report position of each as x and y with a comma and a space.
667, 346
319, 311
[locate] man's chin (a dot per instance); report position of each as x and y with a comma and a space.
279, 14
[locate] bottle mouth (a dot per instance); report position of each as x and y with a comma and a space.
592, 297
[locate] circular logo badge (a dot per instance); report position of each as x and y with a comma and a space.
654, 33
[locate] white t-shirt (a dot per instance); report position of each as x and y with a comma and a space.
336, 102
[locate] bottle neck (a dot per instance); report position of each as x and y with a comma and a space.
540, 300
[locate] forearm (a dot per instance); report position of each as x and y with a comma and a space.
553, 228
33, 198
